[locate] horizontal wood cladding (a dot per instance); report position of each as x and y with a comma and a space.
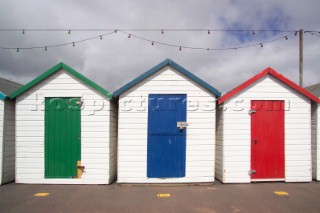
318, 143
234, 134
133, 122
98, 143
1, 136
315, 130
7, 147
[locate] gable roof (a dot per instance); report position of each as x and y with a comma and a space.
314, 89
2, 96
7, 87
55, 69
268, 71
155, 69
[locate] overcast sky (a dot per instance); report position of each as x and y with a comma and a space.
115, 60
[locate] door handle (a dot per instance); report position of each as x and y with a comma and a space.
182, 125
255, 141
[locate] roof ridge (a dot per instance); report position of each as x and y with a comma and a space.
314, 89
158, 67
55, 69
11, 81
263, 73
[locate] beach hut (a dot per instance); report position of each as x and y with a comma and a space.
7, 131
264, 131
66, 129
315, 132
166, 128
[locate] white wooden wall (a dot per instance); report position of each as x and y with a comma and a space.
235, 131
95, 131
8, 155
315, 141
133, 127
113, 142
1, 136
219, 145
318, 142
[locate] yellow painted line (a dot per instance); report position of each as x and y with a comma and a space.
281, 193
164, 195
41, 194
212, 188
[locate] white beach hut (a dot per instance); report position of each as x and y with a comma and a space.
66, 130
315, 132
264, 131
7, 131
166, 129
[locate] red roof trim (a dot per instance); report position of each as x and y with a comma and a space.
262, 74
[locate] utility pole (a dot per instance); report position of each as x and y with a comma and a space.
301, 57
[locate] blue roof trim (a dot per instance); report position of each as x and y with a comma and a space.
195, 78
2, 96
171, 63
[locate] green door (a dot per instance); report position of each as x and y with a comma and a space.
62, 137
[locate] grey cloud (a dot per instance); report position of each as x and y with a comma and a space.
115, 60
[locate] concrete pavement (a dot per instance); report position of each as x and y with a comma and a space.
255, 197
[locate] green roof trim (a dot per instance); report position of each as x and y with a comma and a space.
55, 69
155, 69
2, 96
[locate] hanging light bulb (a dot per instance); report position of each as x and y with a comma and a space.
208, 32
129, 36
23, 32
100, 37
162, 31
73, 44
69, 32
296, 33
115, 31
261, 45
286, 37
180, 48
152, 43
45, 48
253, 32
18, 50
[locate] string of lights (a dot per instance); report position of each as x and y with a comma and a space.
153, 42
129, 34
146, 30
315, 33
73, 43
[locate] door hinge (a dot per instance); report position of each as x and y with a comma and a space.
252, 111
252, 172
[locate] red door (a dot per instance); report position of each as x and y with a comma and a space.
267, 139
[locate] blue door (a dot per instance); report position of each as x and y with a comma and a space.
166, 142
